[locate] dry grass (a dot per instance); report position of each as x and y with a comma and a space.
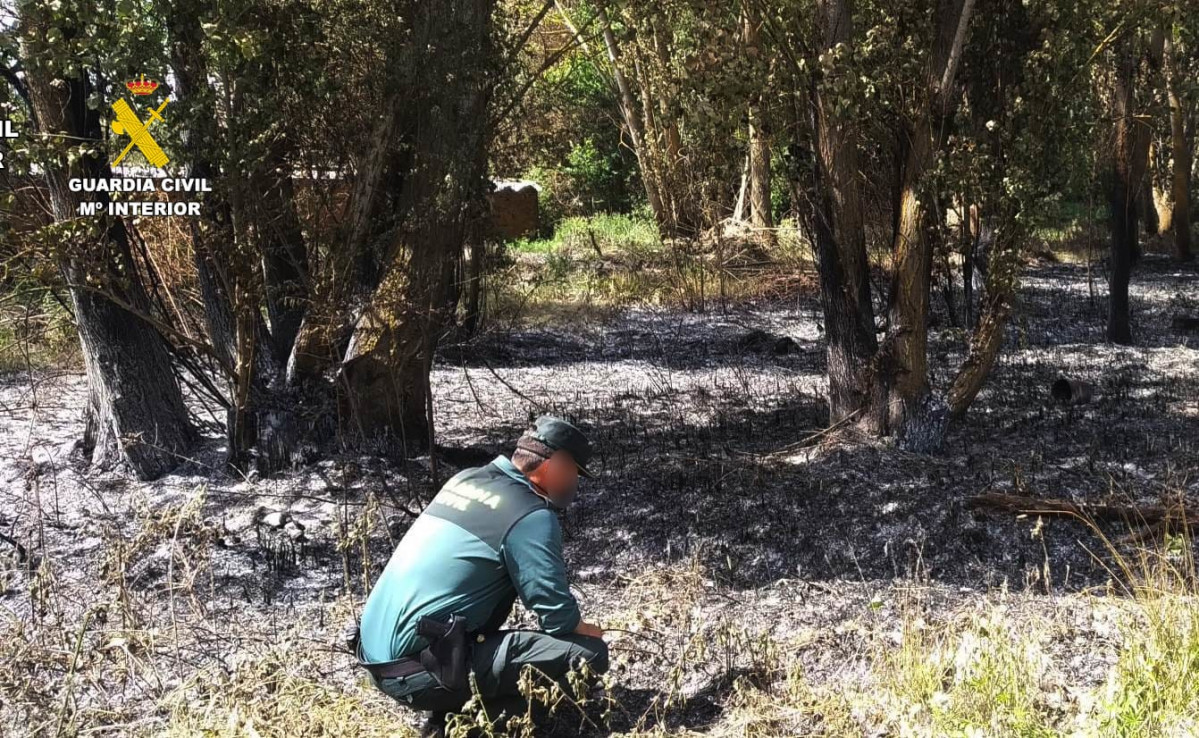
1151, 690
36, 332
594, 265
276, 690
125, 663
988, 671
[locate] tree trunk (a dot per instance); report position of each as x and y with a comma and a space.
971, 232
385, 372
261, 422
218, 307
659, 157
1180, 153
214, 231
1144, 133
986, 339
1149, 215
681, 193
373, 216
1163, 202
475, 270
628, 113
909, 288
911, 414
760, 213
739, 206
838, 228
1126, 175
284, 259
135, 410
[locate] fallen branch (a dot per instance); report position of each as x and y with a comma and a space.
1148, 519
1185, 323
1099, 511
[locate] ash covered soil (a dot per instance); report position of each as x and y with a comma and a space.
717, 517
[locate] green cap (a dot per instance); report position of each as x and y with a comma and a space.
562, 436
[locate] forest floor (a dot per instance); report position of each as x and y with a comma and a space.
757, 580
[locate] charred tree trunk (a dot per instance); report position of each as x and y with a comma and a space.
1126, 175
838, 228
385, 372
135, 411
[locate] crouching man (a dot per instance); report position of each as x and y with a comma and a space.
490, 535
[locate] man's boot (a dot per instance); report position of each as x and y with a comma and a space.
434, 726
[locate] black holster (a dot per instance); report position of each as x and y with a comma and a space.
446, 656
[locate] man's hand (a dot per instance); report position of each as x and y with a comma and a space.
587, 629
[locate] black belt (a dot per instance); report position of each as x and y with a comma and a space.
399, 668
395, 669
446, 657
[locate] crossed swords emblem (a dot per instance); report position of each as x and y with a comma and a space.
127, 123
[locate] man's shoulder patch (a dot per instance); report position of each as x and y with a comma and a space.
460, 494
485, 502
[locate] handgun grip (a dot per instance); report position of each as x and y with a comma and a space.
428, 627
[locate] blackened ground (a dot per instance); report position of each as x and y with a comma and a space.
694, 432
715, 510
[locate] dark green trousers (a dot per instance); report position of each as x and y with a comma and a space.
497, 659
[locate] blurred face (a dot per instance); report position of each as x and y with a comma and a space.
559, 477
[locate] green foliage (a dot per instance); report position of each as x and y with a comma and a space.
1151, 691
611, 233
981, 680
564, 136
591, 180
596, 175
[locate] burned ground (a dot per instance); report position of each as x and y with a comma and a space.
721, 513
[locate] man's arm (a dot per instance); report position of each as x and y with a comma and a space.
533, 554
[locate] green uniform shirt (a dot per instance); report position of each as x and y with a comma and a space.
486, 538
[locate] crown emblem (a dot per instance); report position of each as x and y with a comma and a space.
142, 86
